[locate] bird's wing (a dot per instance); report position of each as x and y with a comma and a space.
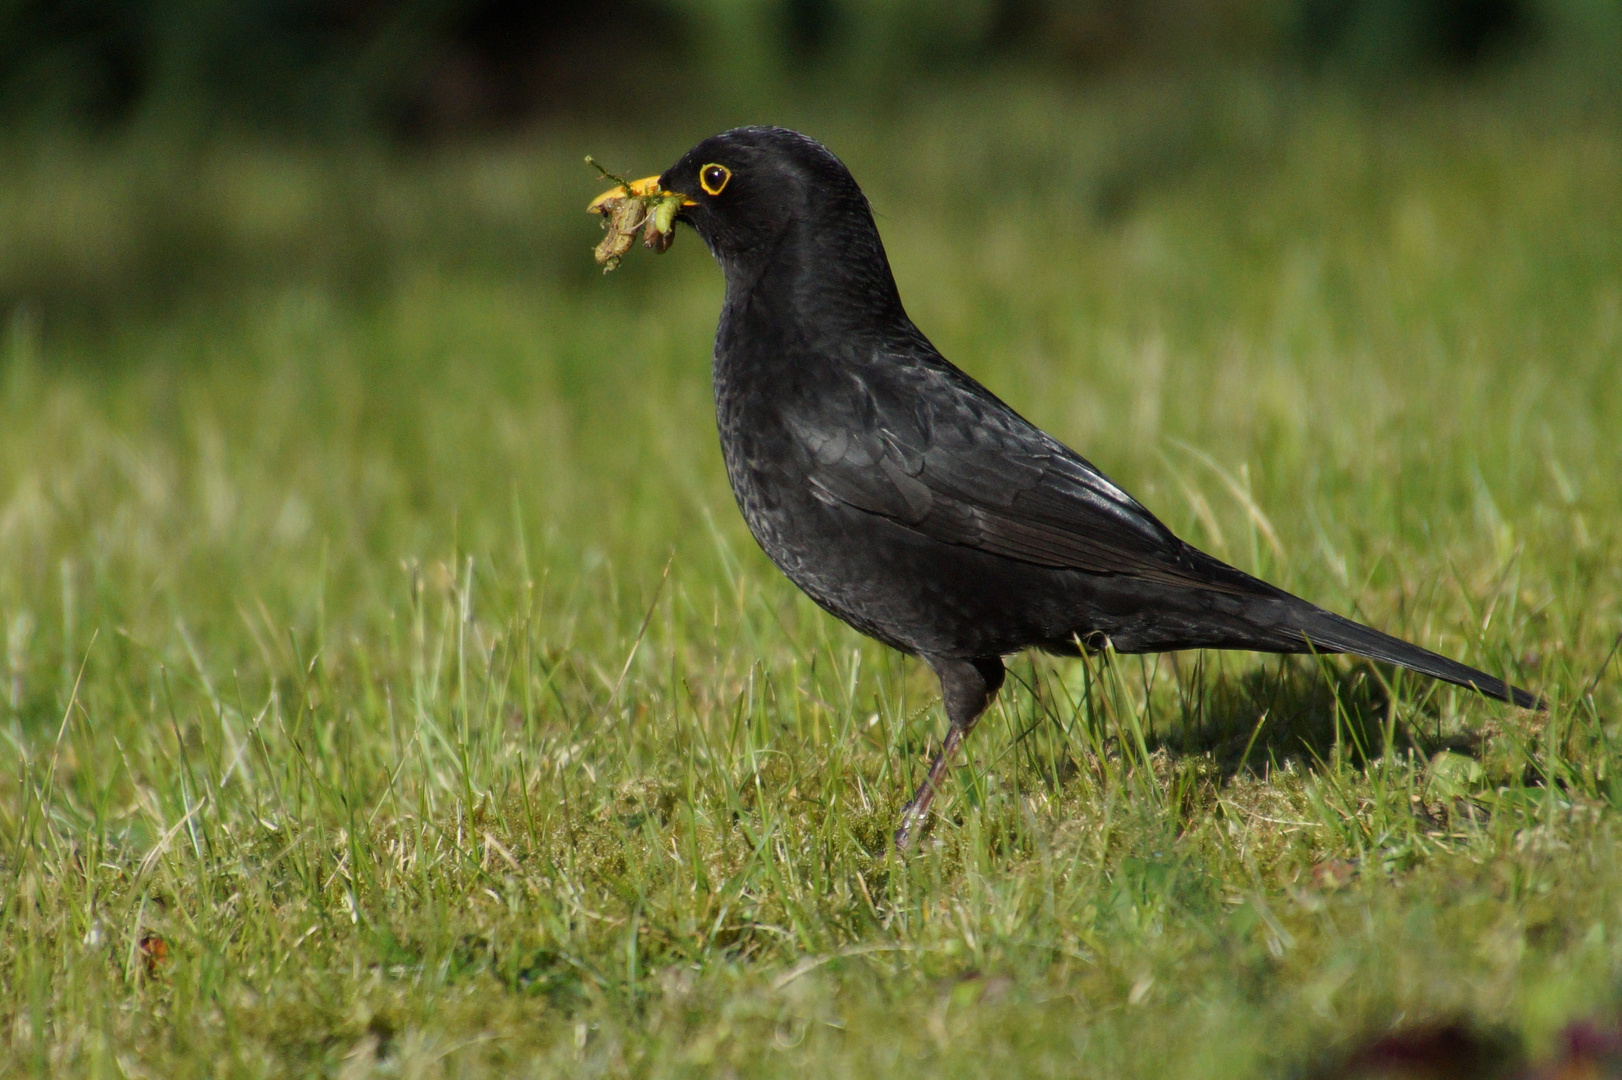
932, 450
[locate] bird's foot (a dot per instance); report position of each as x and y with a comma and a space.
913, 818
916, 812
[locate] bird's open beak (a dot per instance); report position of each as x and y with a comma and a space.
648, 185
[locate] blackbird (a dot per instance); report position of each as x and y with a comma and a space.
904, 497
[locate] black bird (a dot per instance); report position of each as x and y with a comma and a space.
909, 501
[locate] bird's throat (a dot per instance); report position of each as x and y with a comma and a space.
813, 286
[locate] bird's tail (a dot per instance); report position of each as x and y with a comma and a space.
1328, 632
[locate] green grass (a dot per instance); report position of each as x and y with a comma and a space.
382, 641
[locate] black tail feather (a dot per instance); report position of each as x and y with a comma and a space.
1328, 632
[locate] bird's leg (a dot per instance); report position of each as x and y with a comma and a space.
967, 687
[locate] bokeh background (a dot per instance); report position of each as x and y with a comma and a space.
422, 72
389, 681
354, 89
1141, 220
427, 70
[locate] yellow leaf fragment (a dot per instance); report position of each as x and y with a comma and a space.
621, 218
629, 207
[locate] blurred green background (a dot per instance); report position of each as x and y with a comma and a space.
380, 638
115, 114
155, 91
426, 70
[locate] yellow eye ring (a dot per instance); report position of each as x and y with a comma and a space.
713, 178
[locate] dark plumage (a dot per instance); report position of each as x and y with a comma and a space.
905, 498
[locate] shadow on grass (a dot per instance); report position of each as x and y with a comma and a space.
1301, 710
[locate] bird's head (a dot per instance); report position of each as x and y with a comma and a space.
744, 190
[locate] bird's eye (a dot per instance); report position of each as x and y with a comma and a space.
712, 178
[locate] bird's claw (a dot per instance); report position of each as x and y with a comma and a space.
911, 818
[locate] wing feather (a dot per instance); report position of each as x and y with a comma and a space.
965, 469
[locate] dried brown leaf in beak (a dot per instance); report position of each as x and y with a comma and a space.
632, 205
622, 217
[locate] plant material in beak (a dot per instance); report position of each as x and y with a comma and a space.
631, 206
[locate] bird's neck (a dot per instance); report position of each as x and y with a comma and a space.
815, 294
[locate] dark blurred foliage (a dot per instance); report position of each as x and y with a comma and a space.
1454, 1050
427, 68
402, 67
1456, 34
1460, 1050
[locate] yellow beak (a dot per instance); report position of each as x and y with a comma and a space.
648, 185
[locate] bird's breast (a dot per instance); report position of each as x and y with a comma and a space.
769, 466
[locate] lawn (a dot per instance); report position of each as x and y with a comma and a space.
391, 687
